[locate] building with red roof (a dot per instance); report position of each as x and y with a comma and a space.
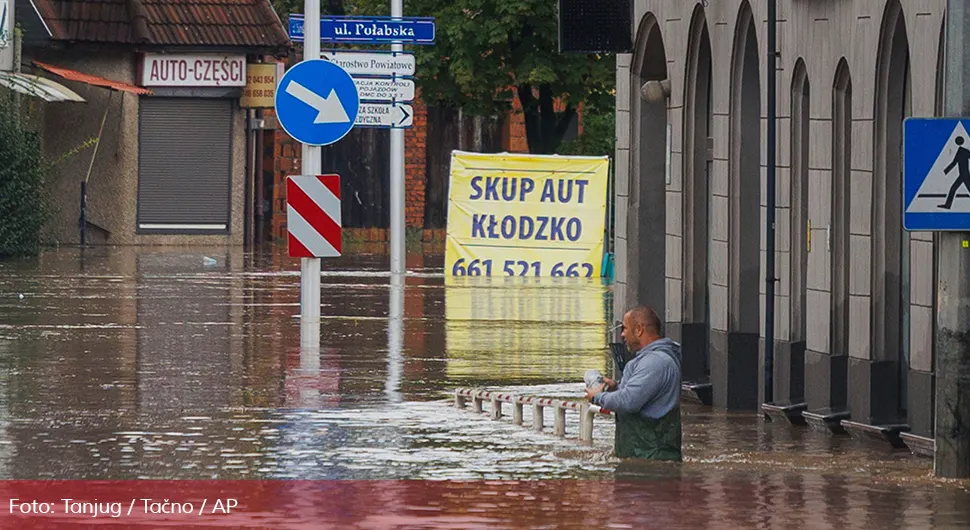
164, 90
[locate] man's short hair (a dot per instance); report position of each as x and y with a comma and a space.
647, 317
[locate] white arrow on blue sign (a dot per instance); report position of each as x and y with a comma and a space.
317, 102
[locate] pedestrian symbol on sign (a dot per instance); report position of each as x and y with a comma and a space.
961, 159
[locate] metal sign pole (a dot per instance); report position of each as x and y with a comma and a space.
312, 165
397, 174
952, 450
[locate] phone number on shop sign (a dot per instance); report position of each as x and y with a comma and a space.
520, 268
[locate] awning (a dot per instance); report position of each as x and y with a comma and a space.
32, 85
74, 75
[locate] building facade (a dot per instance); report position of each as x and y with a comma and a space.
162, 82
855, 293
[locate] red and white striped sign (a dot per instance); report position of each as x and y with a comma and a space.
313, 216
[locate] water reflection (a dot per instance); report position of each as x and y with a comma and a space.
525, 330
395, 338
309, 375
150, 363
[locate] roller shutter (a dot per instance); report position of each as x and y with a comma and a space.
185, 153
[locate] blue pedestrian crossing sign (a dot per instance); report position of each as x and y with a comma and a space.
317, 102
936, 174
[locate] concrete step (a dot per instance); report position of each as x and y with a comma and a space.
883, 433
785, 412
827, 420
919, 445
697, 392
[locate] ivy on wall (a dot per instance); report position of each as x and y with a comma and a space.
24, 194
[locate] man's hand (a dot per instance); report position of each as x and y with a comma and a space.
610, 384
594, 391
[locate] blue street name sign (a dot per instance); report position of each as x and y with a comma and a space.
383, 30
317, 102
936, 174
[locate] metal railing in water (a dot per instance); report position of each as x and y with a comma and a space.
587, 411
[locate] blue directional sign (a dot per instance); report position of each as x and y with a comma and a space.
936, 174
317, 102
381, 30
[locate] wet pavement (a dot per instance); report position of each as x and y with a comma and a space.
149, 363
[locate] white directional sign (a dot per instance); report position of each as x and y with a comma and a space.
395, 64
388, 115
385, 89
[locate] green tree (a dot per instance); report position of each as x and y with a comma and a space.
285, 7
487, 51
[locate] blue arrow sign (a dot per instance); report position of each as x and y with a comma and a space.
317, 102
382, 30
936, 174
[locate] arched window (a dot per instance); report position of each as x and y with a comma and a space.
890, 243
800, 138
841, 194
698, 167
745, 181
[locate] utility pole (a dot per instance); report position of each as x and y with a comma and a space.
770, 213
397, 175
952, 459
18, 58
312, 165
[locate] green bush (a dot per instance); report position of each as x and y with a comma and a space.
24, 194
599, 134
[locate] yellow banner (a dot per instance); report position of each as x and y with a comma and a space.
526, 215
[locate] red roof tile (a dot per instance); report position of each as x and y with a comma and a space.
235, 23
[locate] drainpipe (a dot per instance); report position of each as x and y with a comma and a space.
249, 185
770, 218
82, 221
260, 184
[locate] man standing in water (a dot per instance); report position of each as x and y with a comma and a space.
647, 399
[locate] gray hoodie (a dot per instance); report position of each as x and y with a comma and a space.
650, 382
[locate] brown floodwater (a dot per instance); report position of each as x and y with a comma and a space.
155, 363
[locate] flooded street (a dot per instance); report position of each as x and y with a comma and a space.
155, 364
